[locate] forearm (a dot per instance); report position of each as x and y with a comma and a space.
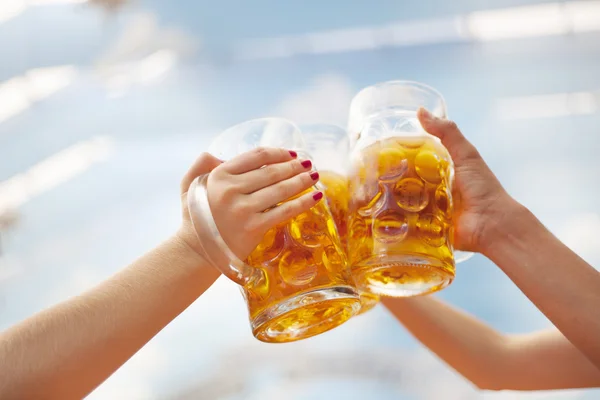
472, 348
562, 285
547, 361
490, 360
66, 351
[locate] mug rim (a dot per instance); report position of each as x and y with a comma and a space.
359, 111
235, 132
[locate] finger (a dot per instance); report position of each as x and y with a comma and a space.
257, 158
272, 174
270, 196
203, 165
447, 131
289, 209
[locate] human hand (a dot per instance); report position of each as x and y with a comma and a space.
257, 190
481, 203
203, 165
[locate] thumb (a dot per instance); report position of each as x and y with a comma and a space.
203, 165
452, 138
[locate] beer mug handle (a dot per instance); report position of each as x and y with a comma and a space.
215, 249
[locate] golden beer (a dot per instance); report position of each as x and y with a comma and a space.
297, 281
337, 195
300, 256
336, 192
400, 232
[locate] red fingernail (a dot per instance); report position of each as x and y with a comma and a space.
293, 153
318, 196
314, 176
306, 164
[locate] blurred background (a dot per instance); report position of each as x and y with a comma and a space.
104, 106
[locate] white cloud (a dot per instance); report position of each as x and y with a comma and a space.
325, 100
404, 33
549, 19
142, 53
142, 35
21, 92
546, 106
553, 18
10, 9
53, 171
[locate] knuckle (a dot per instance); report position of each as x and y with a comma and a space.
288, 210
294, 186
451, 125
273, 174
219, 171
294, 167
261, 152
243, 208
226, 193
288, 190
192, 173
204, 158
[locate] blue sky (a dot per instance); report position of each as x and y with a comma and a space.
84, 229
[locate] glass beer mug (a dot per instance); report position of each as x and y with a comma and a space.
400, 226
328, 146
296, 282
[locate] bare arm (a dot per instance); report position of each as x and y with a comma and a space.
66, 351
561, 284
69, 349
490, 360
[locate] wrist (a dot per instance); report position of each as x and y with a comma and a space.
507, 223
188, 256
187, 248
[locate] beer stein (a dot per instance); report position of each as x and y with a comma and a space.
296, 281
401, 210
328, 146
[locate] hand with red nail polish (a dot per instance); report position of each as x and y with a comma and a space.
203, 165
253, 192
306, 164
